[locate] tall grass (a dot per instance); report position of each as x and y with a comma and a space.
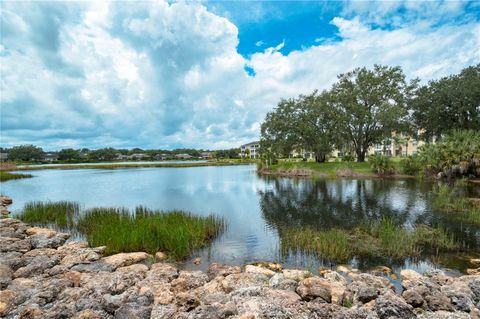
59, 213
379, 239
447, 200
176, 232
6, 176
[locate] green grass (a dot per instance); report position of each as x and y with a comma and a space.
59, 213
176, 232
328, 168
380, 239
448, 201
6, 176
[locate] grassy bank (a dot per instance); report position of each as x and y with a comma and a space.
382, 239
175, 232
6, 176
447, 200
134, 165
330, 169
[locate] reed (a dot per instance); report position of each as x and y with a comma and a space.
378, 239
6, 176
447, 200
177, 232
60, 213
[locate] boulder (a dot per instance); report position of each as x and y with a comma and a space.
133, 311
314, 287
259, 270
6, 275
216, 269
408, 274
125, 259
391, 306
296, 274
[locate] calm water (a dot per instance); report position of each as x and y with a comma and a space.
254, 207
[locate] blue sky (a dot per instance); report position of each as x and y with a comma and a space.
158, 74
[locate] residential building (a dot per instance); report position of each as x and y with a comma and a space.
3, 157
206, 155
50, 157
139, 156
183, 156
250, 150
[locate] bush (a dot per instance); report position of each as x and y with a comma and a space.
381, 165
411, 165
348, 158
458, 154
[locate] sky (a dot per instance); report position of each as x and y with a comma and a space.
203, 74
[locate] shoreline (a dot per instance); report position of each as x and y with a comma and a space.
42, 275
340, 173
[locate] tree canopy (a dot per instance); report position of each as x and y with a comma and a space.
25, 153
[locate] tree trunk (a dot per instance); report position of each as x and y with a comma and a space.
320, 158
360, 155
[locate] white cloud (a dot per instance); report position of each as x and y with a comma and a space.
154, 74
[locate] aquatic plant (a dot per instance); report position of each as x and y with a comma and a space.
6, 176
448, 200
376, 239
43, 213
177, 232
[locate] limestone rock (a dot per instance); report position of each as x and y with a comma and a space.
314, 287
259, 270
296, 274
125, 259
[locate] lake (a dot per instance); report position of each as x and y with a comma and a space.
254, 207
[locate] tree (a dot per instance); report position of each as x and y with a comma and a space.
103, 154
450, 103
369, 105
69, 154
301, 123
25, 153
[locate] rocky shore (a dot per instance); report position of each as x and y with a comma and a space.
43, 276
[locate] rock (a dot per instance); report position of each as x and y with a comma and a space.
9, 300
43, 241
380, 270
343, 268
473, 271
259, 270
391, 306
197, 261
125, 259
40, 231
37, 266
366, 294
188, 280
163, 311
296, 274
269, 265
413, 298
159, 256
133, 311
6, 275
162, 272
475, 261
186, 301
438, 301
216, 269
87, 314
314, 287
408, 274
11, 244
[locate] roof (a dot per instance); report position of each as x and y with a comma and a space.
251, 143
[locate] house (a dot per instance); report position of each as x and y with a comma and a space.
206, 155
183, 156
138, 156
121, 157
161, 157
3, 157
250, 150
50, 157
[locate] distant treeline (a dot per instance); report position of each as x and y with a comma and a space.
32, 153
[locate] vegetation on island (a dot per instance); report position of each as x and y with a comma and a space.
6, 176
379, 239
178, 233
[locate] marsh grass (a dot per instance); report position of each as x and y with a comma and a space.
380, 239
43, 213
447, 200
176, 232
6, 176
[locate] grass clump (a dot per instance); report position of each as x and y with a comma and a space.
60, 213
379, 239
447, 200
176, 232
6, 176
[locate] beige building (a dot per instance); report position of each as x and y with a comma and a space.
250, 150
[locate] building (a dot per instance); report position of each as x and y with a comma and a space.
250, 150
139, 156
3, 157
161, 157
206, 155
183, 156
50, 157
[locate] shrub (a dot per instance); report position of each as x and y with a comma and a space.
348, 158
411, 165
381, 165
